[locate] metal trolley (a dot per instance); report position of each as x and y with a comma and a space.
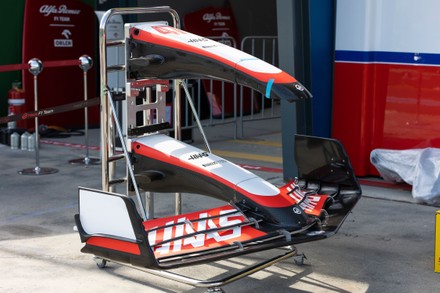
116, 228
154, 119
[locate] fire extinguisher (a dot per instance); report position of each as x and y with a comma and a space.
16, 101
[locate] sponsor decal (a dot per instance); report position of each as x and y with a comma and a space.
179, 226
310, 203
209, 17
195, 40
60, 43
66, 33
297, 210
45, 112
214, 163
47, 10
299, 87
205, 155
168, 30
29, 115
216, 50
66, 42
227, 39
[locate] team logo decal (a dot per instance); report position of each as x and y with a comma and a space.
161, 232
198, 156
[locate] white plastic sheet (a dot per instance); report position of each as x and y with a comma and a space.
417, 167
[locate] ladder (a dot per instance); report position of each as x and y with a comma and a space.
144, 105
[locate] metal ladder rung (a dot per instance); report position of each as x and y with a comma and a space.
116, 157
148, 129
115, 68
114, 43
117, 181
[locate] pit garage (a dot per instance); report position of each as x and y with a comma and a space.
232, 147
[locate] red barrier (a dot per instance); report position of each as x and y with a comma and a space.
13, 67
25, 66
51, 110
61, 63
45, 64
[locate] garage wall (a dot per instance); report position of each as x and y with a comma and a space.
387, 76
257, 17
11, 28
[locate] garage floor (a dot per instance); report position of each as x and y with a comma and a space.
385, 245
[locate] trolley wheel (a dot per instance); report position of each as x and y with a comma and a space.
215, 290
299, 259
100, 262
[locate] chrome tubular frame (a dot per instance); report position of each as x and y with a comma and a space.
110, 126
107, 122
216, 283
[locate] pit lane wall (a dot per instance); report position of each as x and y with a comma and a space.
386, 77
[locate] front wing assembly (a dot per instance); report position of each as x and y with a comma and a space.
111, 228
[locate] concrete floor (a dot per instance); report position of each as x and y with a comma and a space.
385, 245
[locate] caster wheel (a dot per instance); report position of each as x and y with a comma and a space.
299, 259
100, 262
215, 290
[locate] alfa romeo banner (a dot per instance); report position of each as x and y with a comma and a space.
59, 30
